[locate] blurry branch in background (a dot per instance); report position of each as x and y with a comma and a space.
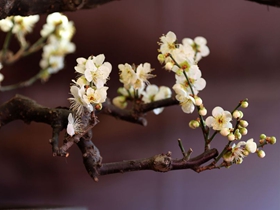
34, 7
38, 7
274, 3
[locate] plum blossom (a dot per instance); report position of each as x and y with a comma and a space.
77, 103
199, 47
195, 79
74, 125
95, 96
239, 151
127, 75
185, 99
24, 24
155, 93
220, 119
167, 42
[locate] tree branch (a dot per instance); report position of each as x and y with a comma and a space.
23, 108
274, 3
33, 7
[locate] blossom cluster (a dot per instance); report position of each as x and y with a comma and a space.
89, 90
182, 59
58, 31
19, 24
137, 87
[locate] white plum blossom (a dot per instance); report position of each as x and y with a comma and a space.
155, 93
240, 150
143, 74
199, 47
78, 105
220, 119
24, 24
195, 79
74, 125
6, 24
96, 70
127, 75
95, 96
185, 99
167, 42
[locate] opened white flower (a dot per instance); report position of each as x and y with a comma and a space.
239, 151
143, 74
95, 96
96, 71
220, 119
199, 46
24, 24
6, 24
78, 103
167, 42
186, 101
195, 79
155, 93
74, 125
127, 75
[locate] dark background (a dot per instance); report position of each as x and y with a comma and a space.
244, 62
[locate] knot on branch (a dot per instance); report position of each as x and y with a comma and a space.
162, 162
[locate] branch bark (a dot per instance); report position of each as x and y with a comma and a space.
23, 108
274, 3
33, 7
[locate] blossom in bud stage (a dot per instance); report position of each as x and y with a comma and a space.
243, 131
244, 104
6, 24
225, 131
262, 136
120, 101
236, 114
220, 119
271, 140
74, 125
194, 124
161, 58
243, 123
198, 101
186, 101
231, 137
168, 66
261, 153
202, 111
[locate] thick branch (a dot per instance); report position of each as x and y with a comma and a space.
275, 3
32, 7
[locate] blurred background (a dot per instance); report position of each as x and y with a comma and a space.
244, 62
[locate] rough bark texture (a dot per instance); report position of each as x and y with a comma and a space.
32, 7
23, 108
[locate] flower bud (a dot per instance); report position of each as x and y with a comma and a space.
261, 153
244, 104
241, 114
243, 123
243, 131
98, 107
237, 134
169, 66
246, 152
236, 114
272, 140
231, 137
194, 124
262, 136
225, 132
197, 101
239, 160
202, 111
161, 58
